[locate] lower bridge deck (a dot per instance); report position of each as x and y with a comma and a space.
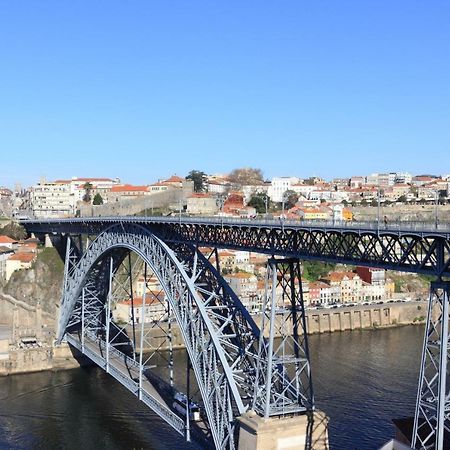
148, 388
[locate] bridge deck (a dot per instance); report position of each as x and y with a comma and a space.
403, 246
125, 370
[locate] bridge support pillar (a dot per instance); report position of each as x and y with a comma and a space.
308, 432
432, 421
284, 384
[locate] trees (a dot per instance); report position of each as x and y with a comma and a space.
199, 178
87, 192
314, 270
246, 176
290, 199
259, 202
98, 199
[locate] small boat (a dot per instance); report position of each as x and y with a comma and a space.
179, 404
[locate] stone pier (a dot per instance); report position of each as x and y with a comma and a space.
303, 432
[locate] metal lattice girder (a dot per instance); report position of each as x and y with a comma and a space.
214, 348
402, 246
283, 383
432, 417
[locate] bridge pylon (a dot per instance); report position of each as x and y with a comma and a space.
283, 381
432, 415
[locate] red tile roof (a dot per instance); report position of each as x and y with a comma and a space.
6, 240
174, 179
149, 300
128, 188
23, 257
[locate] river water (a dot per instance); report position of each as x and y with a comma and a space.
362, 379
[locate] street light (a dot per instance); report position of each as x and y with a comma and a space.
436, 196
283, 200
378, 207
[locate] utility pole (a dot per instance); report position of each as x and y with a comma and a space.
436, 221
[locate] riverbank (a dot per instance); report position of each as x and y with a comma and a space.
41, 356
320, 321
37, 359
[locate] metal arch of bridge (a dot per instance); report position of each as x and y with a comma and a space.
220, 336
419, 249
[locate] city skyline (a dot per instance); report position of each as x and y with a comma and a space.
145, 91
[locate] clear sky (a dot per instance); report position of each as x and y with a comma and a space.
144, 89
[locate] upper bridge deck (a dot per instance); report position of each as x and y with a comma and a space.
406, 246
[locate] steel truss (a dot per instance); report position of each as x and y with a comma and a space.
411, 252
283, 382
432, 418
402, 248
221, 338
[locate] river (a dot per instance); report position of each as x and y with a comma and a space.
362, 379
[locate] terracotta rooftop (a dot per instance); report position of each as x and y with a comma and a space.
128, 188
23, 257
6, 240
339, 276
150, 299
240, 275
174, 179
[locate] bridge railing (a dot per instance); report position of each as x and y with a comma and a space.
396, 226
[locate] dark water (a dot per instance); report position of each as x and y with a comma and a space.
362, 381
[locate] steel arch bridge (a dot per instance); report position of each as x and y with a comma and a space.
238, 366
235, 367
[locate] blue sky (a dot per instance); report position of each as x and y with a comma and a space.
145, 89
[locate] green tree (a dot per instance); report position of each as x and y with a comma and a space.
402, 199
258, 201
87, 192
199, 178
313, 270
291, 198
98, 199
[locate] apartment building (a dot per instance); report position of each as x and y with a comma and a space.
279, 186
59, 198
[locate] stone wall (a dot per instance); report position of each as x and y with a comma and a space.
415, 213
324, 321
47, 357
169, 199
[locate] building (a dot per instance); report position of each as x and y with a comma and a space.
318, 213
372, 275
243, 284
202, 203
18, 261
127, 192
59, 198
279, 185
350, 285
52, 199
5, 253
6, 241
153, 306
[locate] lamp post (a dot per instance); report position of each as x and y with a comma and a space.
436, 197
378, 208
283, 200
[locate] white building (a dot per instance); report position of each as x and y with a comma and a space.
52, 199
5, 253
59, 198
151, 310
403, 178
279, 186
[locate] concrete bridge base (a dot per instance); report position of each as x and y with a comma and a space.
306, 432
